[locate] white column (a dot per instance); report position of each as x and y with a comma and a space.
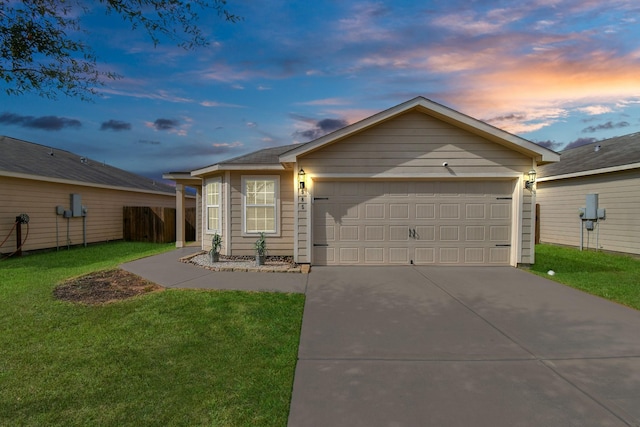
180, 227
198, 224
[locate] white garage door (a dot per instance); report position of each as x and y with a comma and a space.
419, 222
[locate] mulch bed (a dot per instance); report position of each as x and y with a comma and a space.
104, 287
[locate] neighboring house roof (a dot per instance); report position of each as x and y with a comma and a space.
608, 155
424, 105
24, 159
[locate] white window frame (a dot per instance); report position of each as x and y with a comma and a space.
276, 204
206, 204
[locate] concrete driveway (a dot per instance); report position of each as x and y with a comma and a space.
436, 346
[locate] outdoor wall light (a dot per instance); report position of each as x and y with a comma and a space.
301, 175
532, 180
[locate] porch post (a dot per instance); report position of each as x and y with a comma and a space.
198, 224
180, 226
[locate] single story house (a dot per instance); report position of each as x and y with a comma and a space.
69, 199
608, 169
415, 184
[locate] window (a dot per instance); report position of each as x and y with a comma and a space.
213, 198
260, 197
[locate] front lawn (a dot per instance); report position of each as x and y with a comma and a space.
611, 276
176, 357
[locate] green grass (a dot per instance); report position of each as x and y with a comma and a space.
611, 276
176, 357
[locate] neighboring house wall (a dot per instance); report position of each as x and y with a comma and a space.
415, 145
239, 243
618, 193
38, 199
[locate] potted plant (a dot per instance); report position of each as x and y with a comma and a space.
216, 245
261, 249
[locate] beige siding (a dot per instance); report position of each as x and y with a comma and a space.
528, 229
415, 143
618, 193
39, 199
240, 244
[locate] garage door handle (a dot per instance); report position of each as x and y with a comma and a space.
320, 244
503, 246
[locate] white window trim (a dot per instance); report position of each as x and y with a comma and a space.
276, 179
207, 205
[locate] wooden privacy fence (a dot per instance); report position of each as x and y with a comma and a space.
156, 225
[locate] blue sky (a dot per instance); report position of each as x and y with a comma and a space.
556, 72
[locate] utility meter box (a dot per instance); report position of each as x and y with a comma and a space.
591, 207
76, 205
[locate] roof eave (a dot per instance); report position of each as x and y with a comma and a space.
239, 166
182, 177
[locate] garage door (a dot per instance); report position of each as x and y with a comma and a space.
421, 222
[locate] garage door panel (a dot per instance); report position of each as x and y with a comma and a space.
346, 211
425, 211
449, 255
400, 222
324, 255
426, 233
499, 233
475, 233
349, 233
398, 233
449, 211
399, 255
450, 233
474, 256
475, 211
324, 234
500, 211
374, 211
499, 255
349, 255
399, 211
425, 255
374, 233
374, 255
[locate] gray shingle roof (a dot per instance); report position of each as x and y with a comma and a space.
261, 157
34, 159
618, 151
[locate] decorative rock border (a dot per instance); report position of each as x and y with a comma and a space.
245, 264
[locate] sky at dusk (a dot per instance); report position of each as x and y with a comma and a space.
556, 72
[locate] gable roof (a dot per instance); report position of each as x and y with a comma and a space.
275, 158
267, 158
622, 152
29, 160
438, 111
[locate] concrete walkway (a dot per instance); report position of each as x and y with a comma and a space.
166, 270
436, 346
